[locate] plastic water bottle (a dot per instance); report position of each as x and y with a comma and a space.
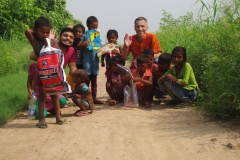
32, 107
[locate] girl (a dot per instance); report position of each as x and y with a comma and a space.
81, 94
37, 39
115, 83
112, 36
180, 79
79, 38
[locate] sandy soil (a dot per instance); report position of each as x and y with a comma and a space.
117, 133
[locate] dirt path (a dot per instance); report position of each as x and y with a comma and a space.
117, 133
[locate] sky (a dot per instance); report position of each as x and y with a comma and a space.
120, 14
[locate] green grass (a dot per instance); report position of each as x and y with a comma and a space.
13, 93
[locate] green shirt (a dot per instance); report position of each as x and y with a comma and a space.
185, 76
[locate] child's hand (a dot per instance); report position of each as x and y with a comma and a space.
103, 64
52, 34
171, 78
85, 43
136, 79
108, 85
70, 25
114, 81
77, 96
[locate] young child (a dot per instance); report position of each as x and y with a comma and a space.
37, 39
153, 68
91, 60
32, 85
79, 38
143, 78
81, 94
164, 64
115, 84
112, 36
180, 79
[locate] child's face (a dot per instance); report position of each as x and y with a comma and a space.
114, 67
78, 32
163, 66
75, 79
93, 26
151, 59
42, 32
112, 38
177, 58
142, 67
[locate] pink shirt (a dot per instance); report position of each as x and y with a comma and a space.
70, 56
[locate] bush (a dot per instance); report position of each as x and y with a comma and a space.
212, 49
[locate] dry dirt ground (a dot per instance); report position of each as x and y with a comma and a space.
118, 133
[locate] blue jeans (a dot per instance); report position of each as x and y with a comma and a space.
184, 95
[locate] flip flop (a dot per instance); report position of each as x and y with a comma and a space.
61, 121
112, 102
146, 105
81, 113
42, 125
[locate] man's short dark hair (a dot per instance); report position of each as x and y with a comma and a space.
67, 29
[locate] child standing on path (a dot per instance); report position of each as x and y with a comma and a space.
112, 36
81, 94
37, 39
79, 38
180, 79
114, 85
143, 78
91, 60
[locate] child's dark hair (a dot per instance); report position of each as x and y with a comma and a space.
142, 58
79, 26
112, 31
91, 19
67, 29
82, 74
165, 57
41, 21
147, 52
182, 50
118, 59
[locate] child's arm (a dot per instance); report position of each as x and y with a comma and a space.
30, 36
79, 45
167, 77
102, 60
137, 79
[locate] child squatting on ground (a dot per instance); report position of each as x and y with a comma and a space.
180, 79
91, 60
81, 94
37, 38
143, 78
115, 81
112, 36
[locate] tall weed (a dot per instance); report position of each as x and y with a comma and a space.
212, 42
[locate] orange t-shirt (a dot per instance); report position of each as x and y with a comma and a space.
150, 41
146, 76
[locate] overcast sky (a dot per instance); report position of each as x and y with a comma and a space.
120, 14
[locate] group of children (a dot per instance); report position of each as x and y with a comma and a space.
151, 79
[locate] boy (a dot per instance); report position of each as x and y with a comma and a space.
143, 78
164, 63
91, 60
37, 39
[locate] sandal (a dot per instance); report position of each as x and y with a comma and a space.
112, 102
81, 113
61, 121
146, 105
97, 101
42, 125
